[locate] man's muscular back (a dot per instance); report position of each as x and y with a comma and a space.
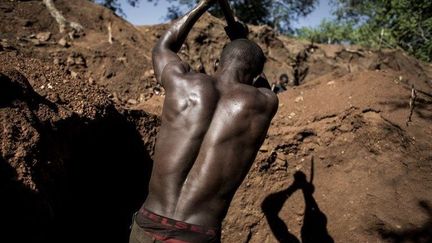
211, 131
212, 127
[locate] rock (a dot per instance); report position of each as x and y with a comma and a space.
142, 97
91, 81
36, 42
298, 99
43, 36
53, 97
74, 74
148, 73
63, 42
79, 60
281, 163
73, 35
115, 97
122, 60
57, 61
75, 59
6, 45
70, 60
264, 148
132, 101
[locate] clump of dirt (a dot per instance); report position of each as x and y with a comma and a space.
77, 141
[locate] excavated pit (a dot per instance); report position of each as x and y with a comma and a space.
78, 178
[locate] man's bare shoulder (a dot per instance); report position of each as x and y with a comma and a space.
181, 75
256, 98
272, 99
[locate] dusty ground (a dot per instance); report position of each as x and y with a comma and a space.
78, 124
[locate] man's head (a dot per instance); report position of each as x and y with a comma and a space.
243, 55
283, 79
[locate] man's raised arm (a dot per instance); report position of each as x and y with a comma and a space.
169, 44
235, 29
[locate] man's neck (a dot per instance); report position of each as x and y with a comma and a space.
232, 75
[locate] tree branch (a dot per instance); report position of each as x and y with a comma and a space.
110, 37
411, 104
61, 20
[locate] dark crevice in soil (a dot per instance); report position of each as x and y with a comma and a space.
91, 175
103, 181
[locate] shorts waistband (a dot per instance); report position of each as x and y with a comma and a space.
173, 224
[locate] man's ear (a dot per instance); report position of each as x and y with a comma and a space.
255, 79
261, 82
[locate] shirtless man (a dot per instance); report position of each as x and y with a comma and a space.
212, 128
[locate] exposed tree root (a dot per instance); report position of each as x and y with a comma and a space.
61, 20
110, 37
412, 104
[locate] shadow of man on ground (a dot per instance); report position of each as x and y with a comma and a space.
314, 227
271, 206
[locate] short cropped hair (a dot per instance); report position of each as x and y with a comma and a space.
243, 54
284, 78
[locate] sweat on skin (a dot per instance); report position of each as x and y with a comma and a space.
212, 128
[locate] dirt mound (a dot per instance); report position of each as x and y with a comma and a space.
120, 66
371, 171
67, 155
301, 61
76, 140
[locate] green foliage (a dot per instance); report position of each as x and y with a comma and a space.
347, 32
283, 12
329, 32
401, 24
279, 14
276, 13
114, 5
